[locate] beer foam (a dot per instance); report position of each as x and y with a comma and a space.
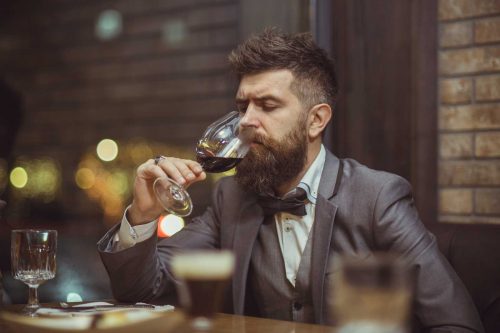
203, 265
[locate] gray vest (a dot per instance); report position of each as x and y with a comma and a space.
274, 295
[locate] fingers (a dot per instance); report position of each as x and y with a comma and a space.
145, 204
196, 170
149, 171
184, 172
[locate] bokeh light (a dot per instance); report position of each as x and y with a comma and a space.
117, 181
109, 24
140, 151
169, 224
110, 183
18, 177
74, 297
38, 179
174, 32
106, 184
107, 150
85, 178
44, 179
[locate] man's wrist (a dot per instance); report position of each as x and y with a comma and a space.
134, 217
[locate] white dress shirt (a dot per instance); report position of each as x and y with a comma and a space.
293, 231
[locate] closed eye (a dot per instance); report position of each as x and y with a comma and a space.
269, 108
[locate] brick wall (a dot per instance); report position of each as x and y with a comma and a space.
469, 111
163, 78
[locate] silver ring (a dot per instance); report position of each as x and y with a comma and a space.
159, 158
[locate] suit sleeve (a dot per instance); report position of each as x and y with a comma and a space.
142, 272
442, 304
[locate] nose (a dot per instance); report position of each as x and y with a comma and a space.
249, 118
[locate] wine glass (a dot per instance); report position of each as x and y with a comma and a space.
33, 261
220, 149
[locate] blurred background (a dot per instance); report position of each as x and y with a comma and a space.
90, 89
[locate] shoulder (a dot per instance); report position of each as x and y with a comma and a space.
379, 201
357, 174
370, 187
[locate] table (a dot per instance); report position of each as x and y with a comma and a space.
223, 323
233, 323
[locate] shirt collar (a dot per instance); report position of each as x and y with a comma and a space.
310, 181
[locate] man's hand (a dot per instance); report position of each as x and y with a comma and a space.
145, 207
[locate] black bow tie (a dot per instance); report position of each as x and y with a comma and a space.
294, 204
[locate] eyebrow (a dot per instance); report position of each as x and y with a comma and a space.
260, 99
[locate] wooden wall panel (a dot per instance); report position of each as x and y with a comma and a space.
386, 114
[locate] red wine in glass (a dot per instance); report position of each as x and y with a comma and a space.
217, 164
220, 148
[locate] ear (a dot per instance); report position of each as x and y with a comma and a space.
318, 118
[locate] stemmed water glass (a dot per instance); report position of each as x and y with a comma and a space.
220, 149
33, 261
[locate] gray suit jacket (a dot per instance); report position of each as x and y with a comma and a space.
358, 211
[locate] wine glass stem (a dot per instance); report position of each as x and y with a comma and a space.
33, 297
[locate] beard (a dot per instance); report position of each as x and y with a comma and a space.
273, 162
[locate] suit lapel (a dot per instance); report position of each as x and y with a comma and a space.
247, 228
322, 235
322, 231
251, 218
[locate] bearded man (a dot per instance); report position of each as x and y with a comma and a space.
287, 88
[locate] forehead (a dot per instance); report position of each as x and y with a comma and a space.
274, 82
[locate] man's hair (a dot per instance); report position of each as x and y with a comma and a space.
313, 70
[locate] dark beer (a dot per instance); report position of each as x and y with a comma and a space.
202, 275
202, 298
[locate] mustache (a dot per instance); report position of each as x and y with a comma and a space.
251, 136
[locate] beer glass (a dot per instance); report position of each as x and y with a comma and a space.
371, 294
33, 261
202, 277
220, 149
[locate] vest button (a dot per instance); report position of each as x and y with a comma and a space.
297, 305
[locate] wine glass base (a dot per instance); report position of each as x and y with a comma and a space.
173, 197
30, 310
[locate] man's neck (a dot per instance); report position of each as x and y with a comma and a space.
312, 153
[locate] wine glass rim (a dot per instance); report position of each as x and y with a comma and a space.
35, 230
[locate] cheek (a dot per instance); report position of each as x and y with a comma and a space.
279, 124
276, 129
275, 134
